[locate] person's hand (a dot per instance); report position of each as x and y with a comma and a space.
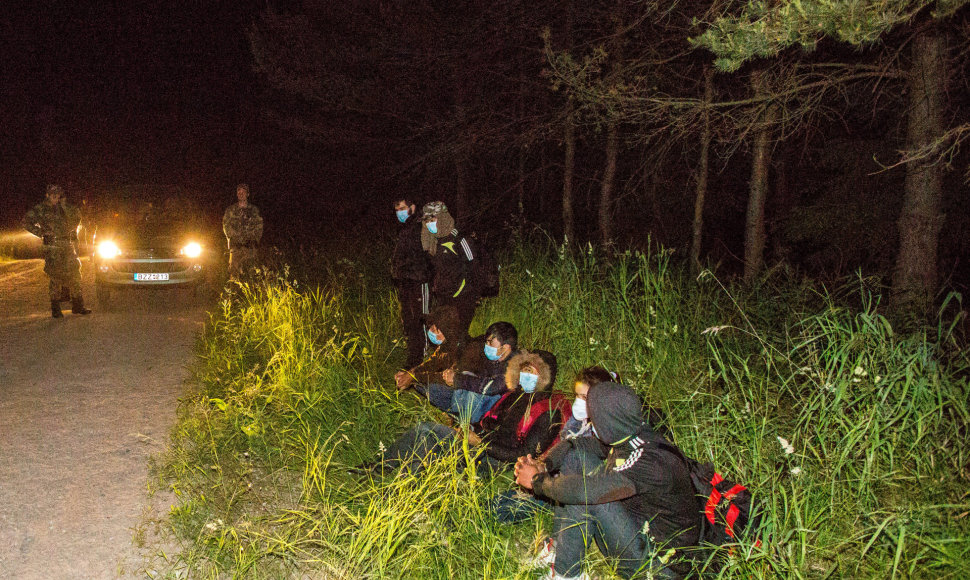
525, 460
524, 473
448, 376
403, 379
473, 439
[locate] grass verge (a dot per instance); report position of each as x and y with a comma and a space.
852, 434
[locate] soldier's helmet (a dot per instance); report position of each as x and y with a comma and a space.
53, 188
432, 209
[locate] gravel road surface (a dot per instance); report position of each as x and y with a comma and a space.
84, 402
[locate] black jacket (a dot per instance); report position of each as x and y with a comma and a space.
452, 264
652, 484
502, 434
410, 263
477, 374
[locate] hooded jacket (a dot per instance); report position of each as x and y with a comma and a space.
446, 354
451, 256
500, 427
652, 484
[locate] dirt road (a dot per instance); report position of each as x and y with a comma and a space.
84, 401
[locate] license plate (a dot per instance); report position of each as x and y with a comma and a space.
153, 276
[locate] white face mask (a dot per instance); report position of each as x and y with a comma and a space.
579, 410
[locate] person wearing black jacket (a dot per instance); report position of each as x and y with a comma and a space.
411, 272
510, 429
451, 257
640, 501
478, 381
444, 334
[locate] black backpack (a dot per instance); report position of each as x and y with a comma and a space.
729, 513
484, 268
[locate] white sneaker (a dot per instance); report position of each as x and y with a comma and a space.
546, 556
553, 576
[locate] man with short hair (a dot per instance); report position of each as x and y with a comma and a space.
411, 270
478, 382
56, 222
243, 227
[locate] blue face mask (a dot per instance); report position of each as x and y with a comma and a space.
579, 410
434, 338
491, 353
432, 227
528, 381
402, 215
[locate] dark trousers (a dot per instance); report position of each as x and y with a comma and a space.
425, 442
415, 300
616, 533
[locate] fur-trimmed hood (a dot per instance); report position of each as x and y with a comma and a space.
544, 362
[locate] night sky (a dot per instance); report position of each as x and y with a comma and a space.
125, 92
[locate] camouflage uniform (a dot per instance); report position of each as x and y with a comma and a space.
57, 225
243, 227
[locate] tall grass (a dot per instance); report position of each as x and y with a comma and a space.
294, 384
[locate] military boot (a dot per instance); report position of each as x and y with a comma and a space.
77, 305
56, 309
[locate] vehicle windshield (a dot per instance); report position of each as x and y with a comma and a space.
148, 223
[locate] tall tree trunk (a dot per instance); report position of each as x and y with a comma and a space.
754, 228
461, 163
701, 189
612, 138
569, 168
522, 151
461, 186
569, 136
915, 273
609, 181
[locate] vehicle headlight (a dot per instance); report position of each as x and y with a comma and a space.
108, 250
192, 250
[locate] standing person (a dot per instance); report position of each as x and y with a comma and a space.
57, 222
641, 499
411, 270
243, 227
451, 256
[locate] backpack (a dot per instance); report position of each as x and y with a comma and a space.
485, 270
728, 511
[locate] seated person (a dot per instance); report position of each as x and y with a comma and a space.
443, 332
639, 487
518, 505
522, 422
478, 380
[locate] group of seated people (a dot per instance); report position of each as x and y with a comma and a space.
595, 461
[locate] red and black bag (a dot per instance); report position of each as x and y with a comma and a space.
729, 513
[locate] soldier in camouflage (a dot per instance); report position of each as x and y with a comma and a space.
56, 223
243, 227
